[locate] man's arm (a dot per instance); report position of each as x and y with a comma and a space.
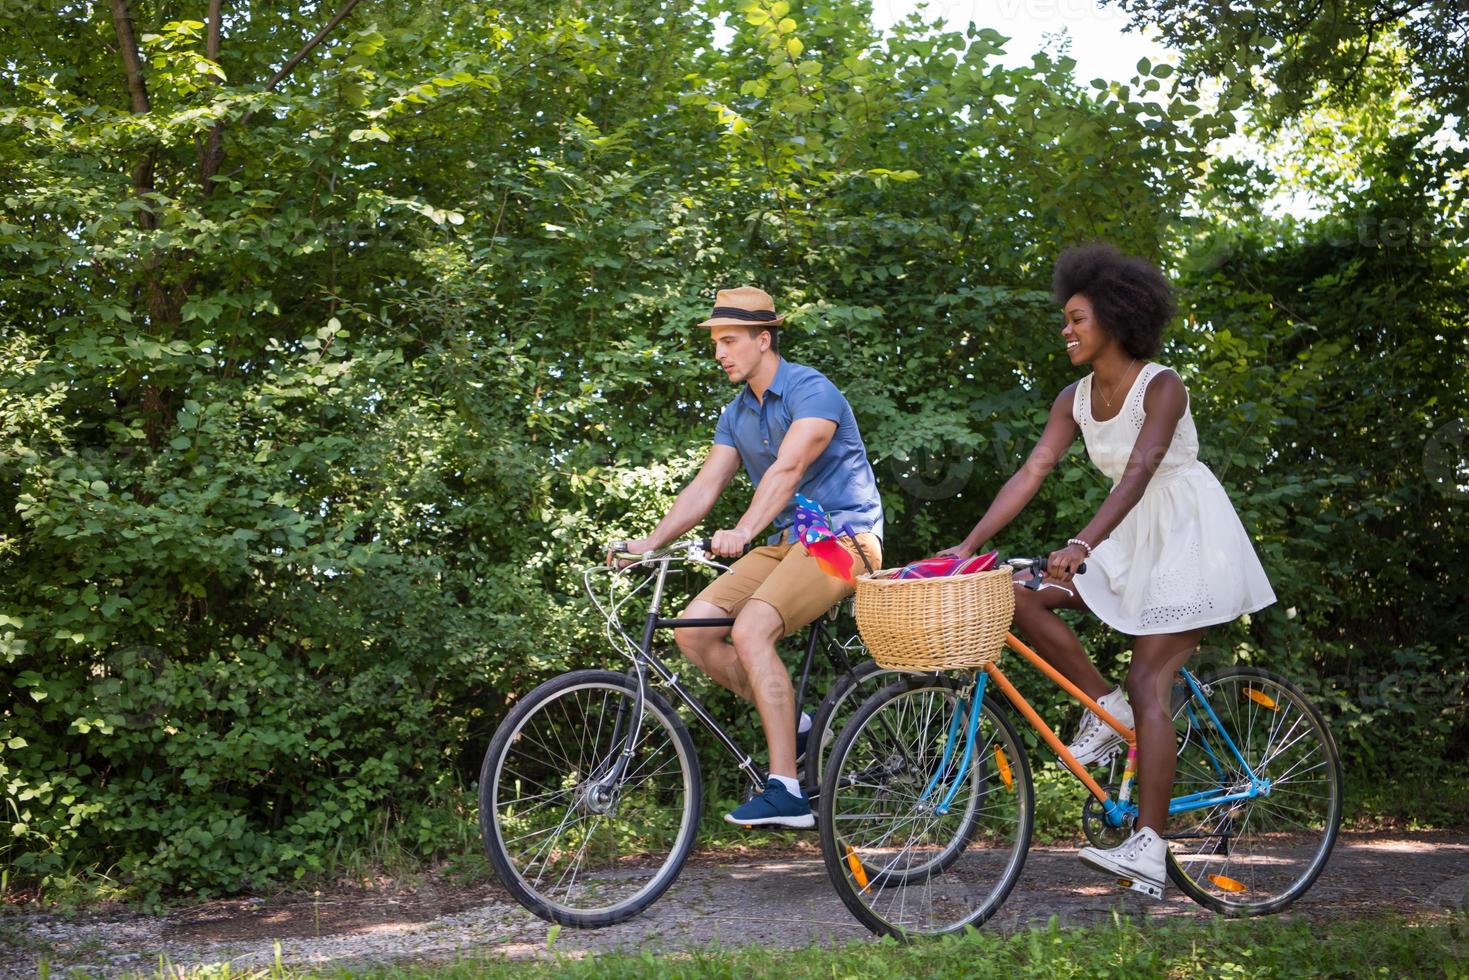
695, 500
804, 441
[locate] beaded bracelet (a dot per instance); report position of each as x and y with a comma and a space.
1083, 544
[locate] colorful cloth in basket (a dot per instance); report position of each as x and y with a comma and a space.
941, 567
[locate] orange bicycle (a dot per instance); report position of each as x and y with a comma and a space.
928, 803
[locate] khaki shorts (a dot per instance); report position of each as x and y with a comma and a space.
786, 577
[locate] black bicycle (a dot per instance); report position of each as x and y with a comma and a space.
591, 792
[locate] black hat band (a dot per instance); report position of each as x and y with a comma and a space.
753, 316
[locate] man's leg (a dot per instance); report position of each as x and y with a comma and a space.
793, 594
756, 631
706, 648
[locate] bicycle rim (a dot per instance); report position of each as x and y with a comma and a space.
903, 868
1254, 856
572, 847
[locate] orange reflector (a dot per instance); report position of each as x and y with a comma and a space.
858, 872
1228, 884
1260, 697
1003, 764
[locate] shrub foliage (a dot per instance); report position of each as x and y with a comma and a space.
321, 377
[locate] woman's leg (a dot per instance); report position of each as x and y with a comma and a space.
1156, 661
1050, 636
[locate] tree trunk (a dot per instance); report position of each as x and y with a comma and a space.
132, 66
213, 153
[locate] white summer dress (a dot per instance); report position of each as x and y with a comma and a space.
1180, 560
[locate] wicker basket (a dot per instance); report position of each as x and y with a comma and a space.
926, 624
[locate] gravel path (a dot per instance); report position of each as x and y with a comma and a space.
778, 899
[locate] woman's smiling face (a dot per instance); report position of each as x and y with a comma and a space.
1083, 335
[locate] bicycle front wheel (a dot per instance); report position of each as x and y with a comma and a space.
1256, 855
915, 842
571, 842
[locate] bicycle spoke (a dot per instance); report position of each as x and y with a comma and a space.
1258, 853
572, 839
901, 865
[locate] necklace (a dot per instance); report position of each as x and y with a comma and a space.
1107, 400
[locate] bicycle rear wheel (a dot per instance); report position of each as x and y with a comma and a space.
572, 846
1254, 856
902, 867
848, 692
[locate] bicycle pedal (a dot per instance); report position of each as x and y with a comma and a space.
1146, 887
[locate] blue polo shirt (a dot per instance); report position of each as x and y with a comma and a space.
840, 479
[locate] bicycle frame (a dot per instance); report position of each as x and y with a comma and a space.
1116, 811
646, 659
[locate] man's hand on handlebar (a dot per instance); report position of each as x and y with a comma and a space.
730, 544
617, 554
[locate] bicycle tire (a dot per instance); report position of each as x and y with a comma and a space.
1257, 856
937, 881
611, 851
847, 693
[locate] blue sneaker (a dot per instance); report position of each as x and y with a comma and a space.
775, 807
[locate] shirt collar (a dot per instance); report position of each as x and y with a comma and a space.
777, 386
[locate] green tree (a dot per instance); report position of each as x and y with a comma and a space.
320, 377
1287, 57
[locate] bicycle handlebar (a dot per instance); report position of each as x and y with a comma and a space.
1037, 565
705, 545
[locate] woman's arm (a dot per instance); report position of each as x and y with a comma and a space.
1165, 401
1060, 432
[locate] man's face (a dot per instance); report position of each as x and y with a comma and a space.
737, 352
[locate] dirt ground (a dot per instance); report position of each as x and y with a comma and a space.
776, 896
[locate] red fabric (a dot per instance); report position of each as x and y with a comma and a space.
940, 567
834, 560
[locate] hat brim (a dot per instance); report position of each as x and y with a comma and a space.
720, 321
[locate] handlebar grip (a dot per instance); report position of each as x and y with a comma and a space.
1080, 567
707, 544
1042, 562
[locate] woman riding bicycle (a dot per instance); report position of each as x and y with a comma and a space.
1166, 554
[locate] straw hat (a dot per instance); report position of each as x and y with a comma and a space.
746, 306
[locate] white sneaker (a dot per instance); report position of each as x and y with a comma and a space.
1140, 862
1095, 742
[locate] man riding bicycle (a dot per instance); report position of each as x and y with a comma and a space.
794, 433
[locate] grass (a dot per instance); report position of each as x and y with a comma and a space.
1384, 946
1373, 804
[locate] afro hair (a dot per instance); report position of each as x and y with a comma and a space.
1129, 296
